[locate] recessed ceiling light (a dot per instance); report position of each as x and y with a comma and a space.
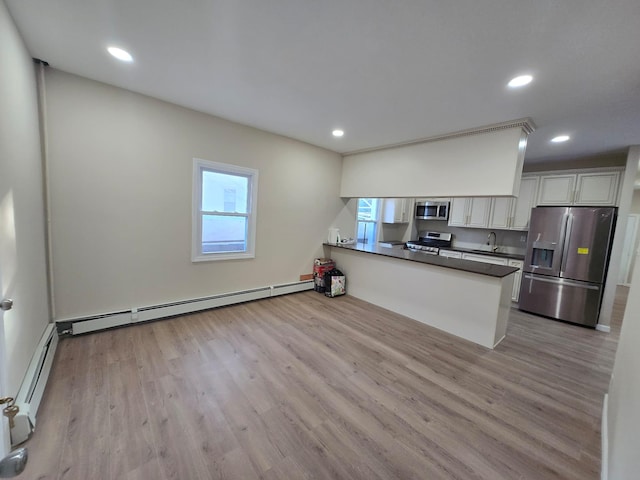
338, 133
120, 54
560, 138
520, 81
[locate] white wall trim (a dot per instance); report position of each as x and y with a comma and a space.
603, 328
154, 312
604, 432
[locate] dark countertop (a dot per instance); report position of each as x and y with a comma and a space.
513, 256
488, 269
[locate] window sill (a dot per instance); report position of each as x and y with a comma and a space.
213, 257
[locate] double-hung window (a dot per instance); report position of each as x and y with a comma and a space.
224, 211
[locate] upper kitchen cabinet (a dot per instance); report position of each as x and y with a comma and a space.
470, 212
397, 210
587, 188
521, 213
557, 189
597, 188
514, 213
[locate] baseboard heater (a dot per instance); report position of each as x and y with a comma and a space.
77, 326
32, 388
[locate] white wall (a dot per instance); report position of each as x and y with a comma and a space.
120, 167
623, 414
22, 240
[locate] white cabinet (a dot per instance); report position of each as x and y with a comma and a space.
458, 212
586, 188
500, 217
598, 188
396, 210
517, 278
450, 254
484, 259
515, 213
470, 212
556, 189
521, 211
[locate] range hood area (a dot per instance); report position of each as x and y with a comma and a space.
480, 162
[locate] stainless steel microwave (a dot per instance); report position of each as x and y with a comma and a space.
432, 210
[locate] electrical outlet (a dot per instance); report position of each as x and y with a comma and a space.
523, 238
134, 314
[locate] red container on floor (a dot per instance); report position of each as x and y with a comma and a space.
320, 267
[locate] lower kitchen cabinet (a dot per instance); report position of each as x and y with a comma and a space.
450, 254
517, 278
485, 258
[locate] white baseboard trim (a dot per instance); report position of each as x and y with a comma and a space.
604, 433
143, 314
603, 328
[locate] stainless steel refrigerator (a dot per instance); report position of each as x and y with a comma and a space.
566, 262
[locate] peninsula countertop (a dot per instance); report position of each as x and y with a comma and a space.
498, 271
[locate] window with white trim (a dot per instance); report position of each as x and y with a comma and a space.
367, 220
224, 211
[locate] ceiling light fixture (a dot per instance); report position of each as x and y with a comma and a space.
520, 81
338, 133
560, 138
120, 54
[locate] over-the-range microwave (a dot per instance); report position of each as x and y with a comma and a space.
432, 210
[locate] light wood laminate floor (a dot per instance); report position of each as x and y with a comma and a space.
308, 387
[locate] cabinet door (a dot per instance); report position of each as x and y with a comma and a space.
500, 216
594, 189
394, 210
406, 210
450, 254
524, 203
556, 189
484, 259
517, 279
458, 212
478, 212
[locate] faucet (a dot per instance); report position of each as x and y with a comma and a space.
495, 247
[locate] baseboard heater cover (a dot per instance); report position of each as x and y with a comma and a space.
143, 314
33, 384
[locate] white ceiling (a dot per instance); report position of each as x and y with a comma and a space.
384, 71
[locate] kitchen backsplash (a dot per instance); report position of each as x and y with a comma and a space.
508, 241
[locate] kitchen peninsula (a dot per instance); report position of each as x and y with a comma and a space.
468, 299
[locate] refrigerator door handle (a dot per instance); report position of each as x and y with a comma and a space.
565, 246
560, 281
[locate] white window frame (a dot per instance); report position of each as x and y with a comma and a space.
376, 221
200, 165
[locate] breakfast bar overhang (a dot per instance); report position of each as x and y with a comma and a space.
468, 299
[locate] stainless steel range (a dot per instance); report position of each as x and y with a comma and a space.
430, 242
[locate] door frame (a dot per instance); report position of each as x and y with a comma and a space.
629, 249
5, 439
